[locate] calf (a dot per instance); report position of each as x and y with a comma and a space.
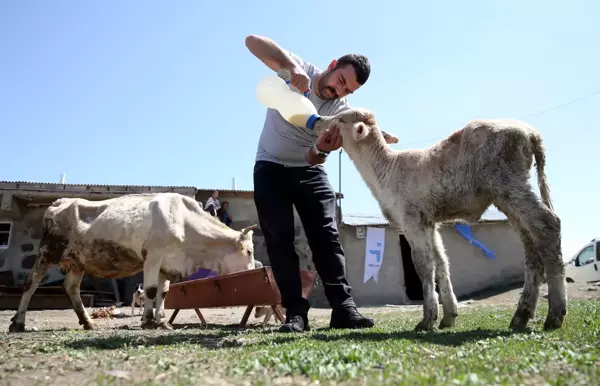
486, 162
165, 235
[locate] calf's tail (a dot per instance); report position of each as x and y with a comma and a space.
539, 154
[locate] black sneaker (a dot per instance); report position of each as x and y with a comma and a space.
349, 318
296, 323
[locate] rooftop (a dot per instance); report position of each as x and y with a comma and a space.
51, 190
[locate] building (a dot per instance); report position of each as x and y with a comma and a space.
483, 256
23, 205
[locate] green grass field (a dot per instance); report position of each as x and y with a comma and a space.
480, 350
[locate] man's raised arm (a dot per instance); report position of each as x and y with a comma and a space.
270, 53
274, 57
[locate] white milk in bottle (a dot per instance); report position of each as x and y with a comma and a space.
295, 108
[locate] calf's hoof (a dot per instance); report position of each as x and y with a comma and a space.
16, 327
448, 322
164, 325
520, 320
553, 323
424, 325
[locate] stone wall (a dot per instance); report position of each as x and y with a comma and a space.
19, 258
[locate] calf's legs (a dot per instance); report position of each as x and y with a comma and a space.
540, 232
420, 238
33, 280
449, 303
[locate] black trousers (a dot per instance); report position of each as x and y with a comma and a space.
276, 190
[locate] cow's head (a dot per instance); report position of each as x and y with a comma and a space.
357, 127
242, 259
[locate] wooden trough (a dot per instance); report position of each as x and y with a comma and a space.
251, 288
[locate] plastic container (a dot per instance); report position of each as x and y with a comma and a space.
295, 108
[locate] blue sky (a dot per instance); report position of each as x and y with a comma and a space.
149, 92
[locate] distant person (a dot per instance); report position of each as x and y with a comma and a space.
288, 173
223, 214
212, 204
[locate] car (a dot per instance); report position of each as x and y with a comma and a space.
584, 267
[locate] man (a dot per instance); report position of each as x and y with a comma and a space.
288, 172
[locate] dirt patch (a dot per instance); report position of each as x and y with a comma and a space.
66, 319
575, 291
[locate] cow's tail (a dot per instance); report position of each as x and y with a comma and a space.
539, 153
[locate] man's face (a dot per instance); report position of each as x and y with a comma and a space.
338, 83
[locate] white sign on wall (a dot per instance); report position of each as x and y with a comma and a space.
374, 248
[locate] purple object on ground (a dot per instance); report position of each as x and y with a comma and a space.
201, 274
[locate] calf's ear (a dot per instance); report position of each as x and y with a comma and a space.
360, 131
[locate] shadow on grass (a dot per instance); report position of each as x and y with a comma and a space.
211, 326
210, 341
211, 336
445, 338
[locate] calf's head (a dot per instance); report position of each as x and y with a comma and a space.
357, 127
242, 259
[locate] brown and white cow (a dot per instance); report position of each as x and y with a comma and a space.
167, 235
485, 162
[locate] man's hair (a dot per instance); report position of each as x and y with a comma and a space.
361, 65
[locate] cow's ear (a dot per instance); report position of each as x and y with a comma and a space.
360, 131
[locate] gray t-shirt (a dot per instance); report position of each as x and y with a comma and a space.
286, 144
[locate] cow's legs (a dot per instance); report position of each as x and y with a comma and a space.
449, 303
421, 239
163, 289
72, 285
33, 280
151, 278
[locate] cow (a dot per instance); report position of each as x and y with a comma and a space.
166, 235
485, 162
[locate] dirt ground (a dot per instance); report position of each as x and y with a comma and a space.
66, 319
59, 352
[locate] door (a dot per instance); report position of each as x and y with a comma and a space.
586, 265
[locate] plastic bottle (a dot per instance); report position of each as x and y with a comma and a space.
295, 108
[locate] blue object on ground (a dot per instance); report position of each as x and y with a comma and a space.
465, 231
201, 274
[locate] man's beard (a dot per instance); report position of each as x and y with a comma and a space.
326, 92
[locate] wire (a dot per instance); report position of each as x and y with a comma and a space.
579, 99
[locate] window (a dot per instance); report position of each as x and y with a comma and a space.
586, 256
4, 234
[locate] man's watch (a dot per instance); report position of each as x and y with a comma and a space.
321, 153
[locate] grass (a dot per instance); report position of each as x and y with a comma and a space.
480, 350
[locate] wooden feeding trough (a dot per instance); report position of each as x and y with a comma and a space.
251, 288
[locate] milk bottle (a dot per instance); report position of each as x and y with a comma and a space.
298, 110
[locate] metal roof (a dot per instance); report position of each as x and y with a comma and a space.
25, 184
490, 215
32, 185
29, 183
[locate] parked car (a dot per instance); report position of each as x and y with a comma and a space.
585, 265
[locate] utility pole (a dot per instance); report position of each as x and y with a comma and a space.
340, 186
